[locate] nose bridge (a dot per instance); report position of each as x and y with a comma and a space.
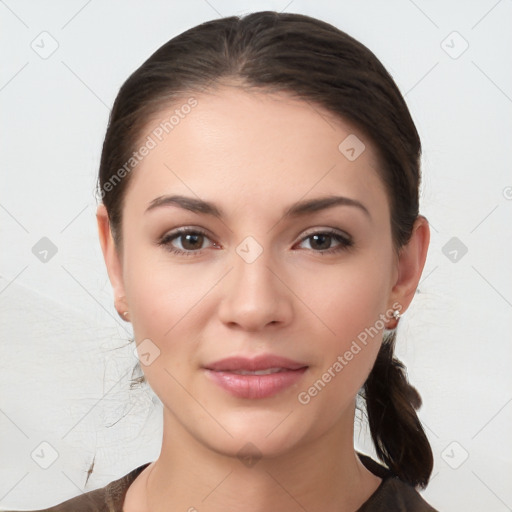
254, 295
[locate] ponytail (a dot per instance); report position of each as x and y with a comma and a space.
391, 404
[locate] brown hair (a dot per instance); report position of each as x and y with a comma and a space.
316, 62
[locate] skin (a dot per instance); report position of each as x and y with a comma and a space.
253, 155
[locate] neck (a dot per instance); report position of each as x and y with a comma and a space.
322, 474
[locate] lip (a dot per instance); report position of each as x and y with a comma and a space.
261, 362
255, 386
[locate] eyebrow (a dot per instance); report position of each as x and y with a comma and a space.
298, 209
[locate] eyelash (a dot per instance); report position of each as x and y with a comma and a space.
345, 242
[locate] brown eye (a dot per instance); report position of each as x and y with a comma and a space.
188, 242
191, 241
321, 241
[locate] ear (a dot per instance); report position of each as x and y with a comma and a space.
411, 261
112, 260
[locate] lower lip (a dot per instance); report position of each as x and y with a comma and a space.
256, 386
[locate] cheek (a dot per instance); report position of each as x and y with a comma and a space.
345, 299
160, 293
169, 306
164, 309
346, 304
163, 319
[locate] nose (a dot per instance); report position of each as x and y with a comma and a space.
254, 295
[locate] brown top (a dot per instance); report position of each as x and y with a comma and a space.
391, 495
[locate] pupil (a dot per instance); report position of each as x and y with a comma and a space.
324, 237
194, 238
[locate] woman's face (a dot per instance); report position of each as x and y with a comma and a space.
250, 280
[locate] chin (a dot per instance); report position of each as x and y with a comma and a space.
259, 433
250, 448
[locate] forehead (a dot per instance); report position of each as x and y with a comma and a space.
257, 143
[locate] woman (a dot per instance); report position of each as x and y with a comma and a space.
259, 223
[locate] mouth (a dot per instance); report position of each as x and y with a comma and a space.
268, 371
261, 377
264, 362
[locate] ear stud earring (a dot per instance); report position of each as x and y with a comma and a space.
394, 322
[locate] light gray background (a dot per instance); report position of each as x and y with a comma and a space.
65, 362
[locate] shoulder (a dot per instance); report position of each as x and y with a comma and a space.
106, 499
393, 493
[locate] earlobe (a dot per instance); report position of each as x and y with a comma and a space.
411, 262
112, 260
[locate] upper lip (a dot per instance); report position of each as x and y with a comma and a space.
262, 362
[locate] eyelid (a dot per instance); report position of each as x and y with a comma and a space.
325, 230
345, 242
184, 230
